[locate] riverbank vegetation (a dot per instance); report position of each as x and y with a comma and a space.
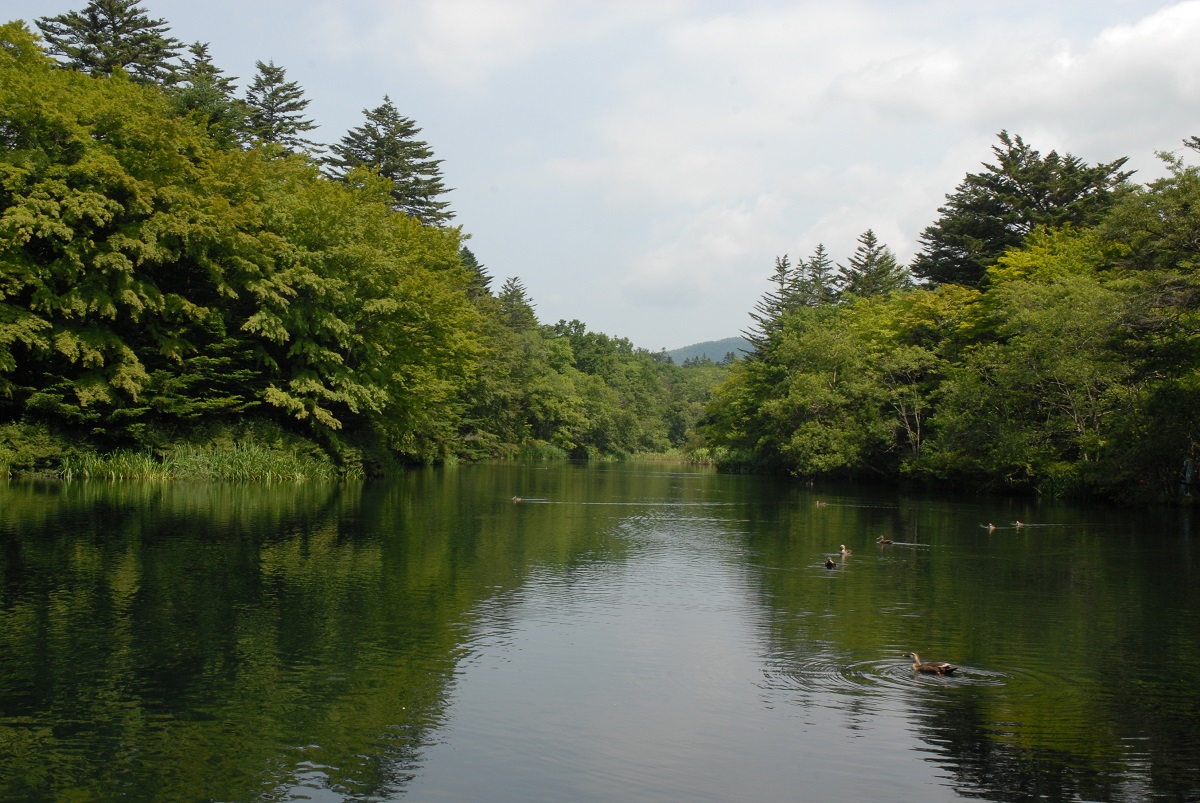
1070, 365
184, 272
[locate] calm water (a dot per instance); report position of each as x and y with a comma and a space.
631, 633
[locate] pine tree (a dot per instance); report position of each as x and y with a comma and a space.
872, 270
387, 143
203, 88
111, 34
993, 211
481, 281
820, 280
275, 109
516, 311
782, 298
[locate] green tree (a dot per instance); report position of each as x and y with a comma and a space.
818, 282
203, 89
481, 280
767, 313
113, 34
275, 109
872, 269
996, 209
515, 308
387, 143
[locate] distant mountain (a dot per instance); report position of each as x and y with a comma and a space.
714, 349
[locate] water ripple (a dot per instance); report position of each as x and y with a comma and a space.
821, 673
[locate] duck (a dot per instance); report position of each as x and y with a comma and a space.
930, 667
991, 528
882, 540
844, 550
1018, 524
829, 563
821, 504
516, 499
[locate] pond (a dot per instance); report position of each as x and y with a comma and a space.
624, 632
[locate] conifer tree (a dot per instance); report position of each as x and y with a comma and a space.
516, 311
275, 109
994, 210
109, 34
204, 88
481, 281
872, 270
387, 143
774, 303
820, 280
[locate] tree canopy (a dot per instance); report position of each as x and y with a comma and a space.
113, 34
994, 210
275, 109
387, 144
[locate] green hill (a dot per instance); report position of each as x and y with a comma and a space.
715, 350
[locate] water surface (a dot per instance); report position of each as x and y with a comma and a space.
625, 632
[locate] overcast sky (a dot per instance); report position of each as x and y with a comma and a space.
639, 164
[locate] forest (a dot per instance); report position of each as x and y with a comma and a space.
191, 287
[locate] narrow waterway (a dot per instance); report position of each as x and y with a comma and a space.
624, 632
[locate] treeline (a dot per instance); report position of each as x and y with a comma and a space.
179, 265
1053, 346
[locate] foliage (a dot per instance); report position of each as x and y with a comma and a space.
387, 144
872, 269
202, 89
994, 210
275, 109
1075, 371
112, 35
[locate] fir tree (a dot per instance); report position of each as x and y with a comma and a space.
111, 34
516, 310
994, 210
204, 89
820, 280
872, 270
387, 143
783, 297
481, 282
275, 109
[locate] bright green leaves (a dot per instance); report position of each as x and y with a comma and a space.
151, 276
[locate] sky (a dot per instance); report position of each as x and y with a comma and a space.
640, 164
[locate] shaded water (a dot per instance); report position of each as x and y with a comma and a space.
628, 632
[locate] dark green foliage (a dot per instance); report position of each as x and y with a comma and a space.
996, 209
275, 109
481, 281
515, 308
872, 269
204, 90
387, 144
113, 34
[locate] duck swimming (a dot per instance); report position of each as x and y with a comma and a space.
930, 667
829, 563
844, 550
882, 540
516, 499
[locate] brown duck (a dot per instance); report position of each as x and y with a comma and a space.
930, 667
882, 540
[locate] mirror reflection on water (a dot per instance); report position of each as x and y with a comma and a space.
624, 632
